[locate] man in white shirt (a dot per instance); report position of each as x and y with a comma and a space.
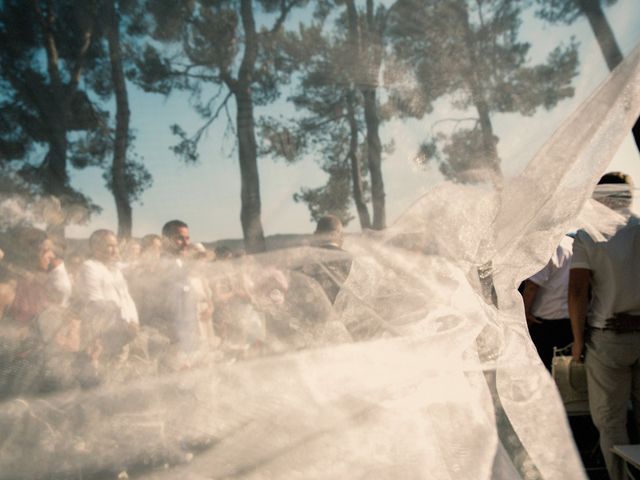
611, 347
176, 301
545, 303
100, 289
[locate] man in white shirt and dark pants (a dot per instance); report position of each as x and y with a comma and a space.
607, 332
545, 303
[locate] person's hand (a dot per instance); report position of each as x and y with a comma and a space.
55, 262
577, 349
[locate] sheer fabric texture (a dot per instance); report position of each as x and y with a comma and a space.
422, 366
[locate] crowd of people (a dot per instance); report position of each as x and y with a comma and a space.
163, 304
588, 297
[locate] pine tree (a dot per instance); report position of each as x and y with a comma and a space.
470, 51
219, 45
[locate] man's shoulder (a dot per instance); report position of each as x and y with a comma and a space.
583, 239
627, 235
92, 265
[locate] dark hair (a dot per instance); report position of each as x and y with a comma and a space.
171, 227
610, 178
329, 224
223, 252
615, 190
22, 246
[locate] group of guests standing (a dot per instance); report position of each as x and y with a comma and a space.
161, 306
588, 295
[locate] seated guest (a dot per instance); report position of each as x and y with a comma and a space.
101, 288
42, 278
41, 287
9, 339
144, 279
150, 247
131, 250
197, 305
223, 253
545, 303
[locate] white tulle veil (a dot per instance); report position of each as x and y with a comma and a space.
421, 368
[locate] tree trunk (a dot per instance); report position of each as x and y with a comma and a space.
374, 146
250, 181
355, 65
602, 30
55, 164
374, 157
118, 169
489, 150
356, 171
55, 175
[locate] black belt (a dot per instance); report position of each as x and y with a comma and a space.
621, 323
615, 330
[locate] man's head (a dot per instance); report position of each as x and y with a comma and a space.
615, 190
151, 246
104, 246
329, 230
175, 236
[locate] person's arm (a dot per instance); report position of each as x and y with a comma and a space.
579, 279
528, 298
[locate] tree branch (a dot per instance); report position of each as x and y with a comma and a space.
49, 43
229, 120
214, 97
196, 137
231, 82
457, 121
315, 126
76, 73
285, 8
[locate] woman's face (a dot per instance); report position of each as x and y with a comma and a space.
46, 255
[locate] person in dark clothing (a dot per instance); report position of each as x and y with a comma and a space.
330, 274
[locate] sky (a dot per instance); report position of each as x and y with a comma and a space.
207, 195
